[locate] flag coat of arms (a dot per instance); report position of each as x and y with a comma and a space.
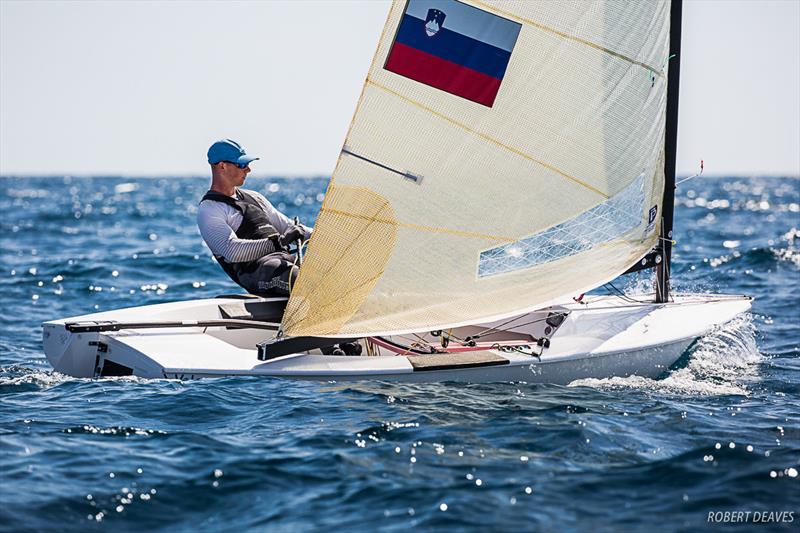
454, 47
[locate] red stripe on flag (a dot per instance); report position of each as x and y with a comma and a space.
445, 75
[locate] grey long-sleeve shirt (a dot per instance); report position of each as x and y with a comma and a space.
218, 223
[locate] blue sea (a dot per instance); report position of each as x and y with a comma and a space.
718, 433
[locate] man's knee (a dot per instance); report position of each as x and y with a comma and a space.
270, 264
278, 280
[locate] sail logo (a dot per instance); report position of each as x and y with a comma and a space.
468, 58
651, 221
434, 22
651, 215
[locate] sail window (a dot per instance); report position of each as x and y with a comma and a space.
609, 220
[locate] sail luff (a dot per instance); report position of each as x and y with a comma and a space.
671, 149
291, 311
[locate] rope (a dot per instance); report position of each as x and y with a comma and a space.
497, 328
620, 294
559, 313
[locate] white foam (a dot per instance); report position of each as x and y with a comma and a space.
41, 378
50, 378
723, 362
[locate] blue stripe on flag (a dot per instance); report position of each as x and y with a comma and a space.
454, 47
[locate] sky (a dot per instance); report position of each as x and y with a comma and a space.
142, 88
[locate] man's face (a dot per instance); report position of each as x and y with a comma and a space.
233, 173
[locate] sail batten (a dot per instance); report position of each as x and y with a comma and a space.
420, 227
457, 199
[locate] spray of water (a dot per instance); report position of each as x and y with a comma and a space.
723, 362
21, 375
16, 375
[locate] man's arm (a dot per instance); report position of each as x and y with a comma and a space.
281, 222
213, 222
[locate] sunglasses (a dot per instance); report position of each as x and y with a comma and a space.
240, 165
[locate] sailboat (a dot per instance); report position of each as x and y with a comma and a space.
504, 159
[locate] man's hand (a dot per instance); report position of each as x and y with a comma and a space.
293, 234
306, 230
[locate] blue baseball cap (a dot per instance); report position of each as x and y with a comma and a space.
228, 150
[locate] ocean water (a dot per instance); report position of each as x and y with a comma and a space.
719, 432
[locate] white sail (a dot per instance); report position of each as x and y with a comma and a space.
503, 156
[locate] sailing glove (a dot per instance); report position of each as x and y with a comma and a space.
292, 234
306, 230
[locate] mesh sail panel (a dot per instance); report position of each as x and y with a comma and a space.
503, 156
605, 222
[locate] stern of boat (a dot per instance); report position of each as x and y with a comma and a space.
70, 353
72, 347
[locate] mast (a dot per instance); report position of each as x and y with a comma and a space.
670, 151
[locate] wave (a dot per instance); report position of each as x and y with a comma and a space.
759, 258
20, 378
120, 431
724, 362
16, 377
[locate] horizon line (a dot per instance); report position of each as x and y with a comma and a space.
316, 176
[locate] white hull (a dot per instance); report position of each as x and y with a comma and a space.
602, 338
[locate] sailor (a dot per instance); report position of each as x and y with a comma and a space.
249, 237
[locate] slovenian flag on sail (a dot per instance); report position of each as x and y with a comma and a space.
454, 47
